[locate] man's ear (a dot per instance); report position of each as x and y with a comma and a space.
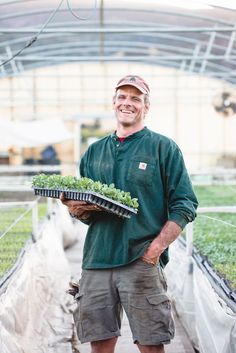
113, 101
147, 106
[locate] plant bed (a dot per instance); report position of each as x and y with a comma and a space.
13, 242
214, 238
112, 200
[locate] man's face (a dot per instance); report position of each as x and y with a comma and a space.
130, 107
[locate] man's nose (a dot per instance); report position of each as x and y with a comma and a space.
127, 101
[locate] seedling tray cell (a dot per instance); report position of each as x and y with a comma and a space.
91, 197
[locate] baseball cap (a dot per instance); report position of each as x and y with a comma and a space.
135, 81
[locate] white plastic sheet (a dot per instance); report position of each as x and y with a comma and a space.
32, 133
34, 313
210, 323
214, 320
66, 226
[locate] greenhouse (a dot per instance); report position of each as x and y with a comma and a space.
68, 73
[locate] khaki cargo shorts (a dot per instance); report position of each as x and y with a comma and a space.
139, 289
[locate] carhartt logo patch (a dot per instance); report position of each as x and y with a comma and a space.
142, 165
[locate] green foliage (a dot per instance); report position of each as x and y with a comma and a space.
213, 238
69, 182
216, 195
15, 239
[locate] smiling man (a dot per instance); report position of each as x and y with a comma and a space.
124, 259
131, 105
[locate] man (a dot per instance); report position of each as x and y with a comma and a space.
123, 259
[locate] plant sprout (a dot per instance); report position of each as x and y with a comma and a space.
59, 182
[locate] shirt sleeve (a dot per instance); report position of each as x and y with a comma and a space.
181, 199
82, 166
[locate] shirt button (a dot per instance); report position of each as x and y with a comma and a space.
117, 145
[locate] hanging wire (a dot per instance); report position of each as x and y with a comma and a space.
50, 18
29, 208
218, 220
33, 39
79, 17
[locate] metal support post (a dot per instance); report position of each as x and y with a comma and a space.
35, 222
77, 142
49, 206
189, 239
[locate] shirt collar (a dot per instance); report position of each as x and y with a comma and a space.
137, 134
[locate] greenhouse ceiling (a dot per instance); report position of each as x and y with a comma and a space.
195, 37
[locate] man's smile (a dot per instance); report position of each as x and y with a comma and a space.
127, 111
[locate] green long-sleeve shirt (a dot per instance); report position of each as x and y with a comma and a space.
151, 167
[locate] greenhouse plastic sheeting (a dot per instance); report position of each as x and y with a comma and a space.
68, 227
210, 323
32, 133
34, 311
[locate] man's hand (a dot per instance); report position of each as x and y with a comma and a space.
168, 234
80, 209
150, 258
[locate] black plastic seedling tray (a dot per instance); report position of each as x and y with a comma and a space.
89, 196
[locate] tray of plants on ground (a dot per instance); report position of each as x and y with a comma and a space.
106, 196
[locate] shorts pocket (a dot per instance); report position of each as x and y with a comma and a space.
156, 299
161, 304
149, 301
151, 318
95, 318
161, 315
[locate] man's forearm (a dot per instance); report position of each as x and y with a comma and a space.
168, 234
